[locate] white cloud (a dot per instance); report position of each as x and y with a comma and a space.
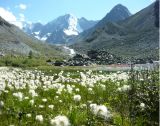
9, 16
23, 6
18, 24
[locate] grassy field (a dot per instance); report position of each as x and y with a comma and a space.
46, 96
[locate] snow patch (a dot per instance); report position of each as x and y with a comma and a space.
49, 34
70, 32
71, 51
37, 37
72, 28
37, 33
44, 38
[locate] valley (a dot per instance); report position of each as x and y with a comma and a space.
75, 71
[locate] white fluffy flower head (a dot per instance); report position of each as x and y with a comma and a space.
100, 110
60, 121
77, 98
39, 118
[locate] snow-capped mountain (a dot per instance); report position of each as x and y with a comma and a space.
73, 27
60, 30
32, 29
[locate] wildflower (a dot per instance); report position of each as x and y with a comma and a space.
1, 104
28, 115
103, 87
2, 86
93, 108
124, 88
141, 79
119, 89
100, 71
44, 100
100, 110
33, 93
77, 89
118, 83
142, 105
41, 106
90, 89
89, 102
60, 121
83, 106
51, 106
26, 98
6, 91
69, 89
19, 95
39, 118
31, 102
83, 76
60, 101
56, 97
77, 98
103, 111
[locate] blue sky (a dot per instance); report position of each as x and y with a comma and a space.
47, 10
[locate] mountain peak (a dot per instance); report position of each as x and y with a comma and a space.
118, 12
69, 16
60, 29
72, 22
121, 9
119, 5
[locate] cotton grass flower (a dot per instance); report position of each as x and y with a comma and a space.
60, 121
41, 106
100, 110
28, 115
39, 118
142, 106
33, 93
77, 89
31, 102
51, 106
103, 112
26, 98
124, 88
60, 101
19, 95
83, 106
103, 87
2, 86
6, 91
83, 76
1, 104
56, 97
77, 98
44, 100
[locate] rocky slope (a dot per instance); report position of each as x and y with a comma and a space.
14, 41
91, 58
134, 37
118, 13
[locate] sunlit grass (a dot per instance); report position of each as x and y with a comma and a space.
33, 97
